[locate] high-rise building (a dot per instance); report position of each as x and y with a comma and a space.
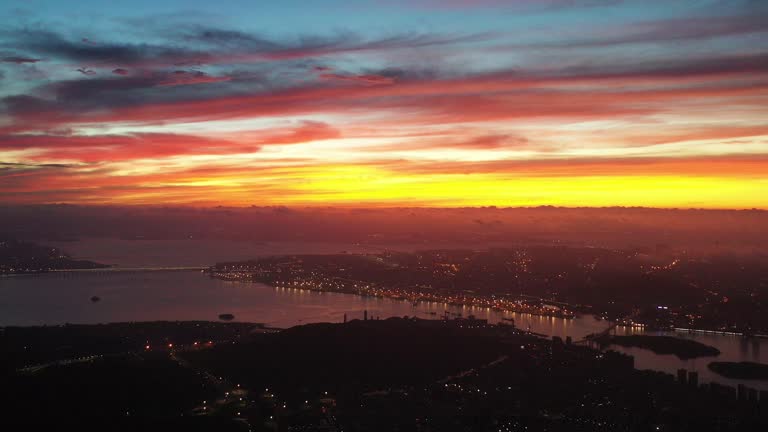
693, 379
752, 395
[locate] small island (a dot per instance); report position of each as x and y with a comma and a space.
682, 348
740, 370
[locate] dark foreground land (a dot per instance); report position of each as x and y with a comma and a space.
123, 376
45, 345
682, 348
740, 370
395, 374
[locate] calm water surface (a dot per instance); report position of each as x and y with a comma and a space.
56, 298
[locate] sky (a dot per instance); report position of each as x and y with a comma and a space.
421, 103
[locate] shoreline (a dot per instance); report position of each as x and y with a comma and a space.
718, 332
566, 316
748, 371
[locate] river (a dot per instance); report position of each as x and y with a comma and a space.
57, 298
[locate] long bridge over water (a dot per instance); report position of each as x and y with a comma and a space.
106, 271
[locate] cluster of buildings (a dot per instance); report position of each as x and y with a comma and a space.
294, 276
740, 394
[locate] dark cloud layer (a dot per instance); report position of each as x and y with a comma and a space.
211, 46
54, 45
18, 60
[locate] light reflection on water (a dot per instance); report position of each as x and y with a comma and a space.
186, 295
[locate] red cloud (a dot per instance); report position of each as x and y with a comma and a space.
442, 140
308, 131
490, 142
99, 148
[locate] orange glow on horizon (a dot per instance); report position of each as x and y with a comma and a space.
719, 184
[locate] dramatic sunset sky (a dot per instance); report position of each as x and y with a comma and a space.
660, 103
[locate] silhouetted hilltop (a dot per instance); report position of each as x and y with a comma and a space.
27, 257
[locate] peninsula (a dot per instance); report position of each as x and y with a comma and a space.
682, 348
740, 370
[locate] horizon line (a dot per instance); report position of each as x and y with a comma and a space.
377, 207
